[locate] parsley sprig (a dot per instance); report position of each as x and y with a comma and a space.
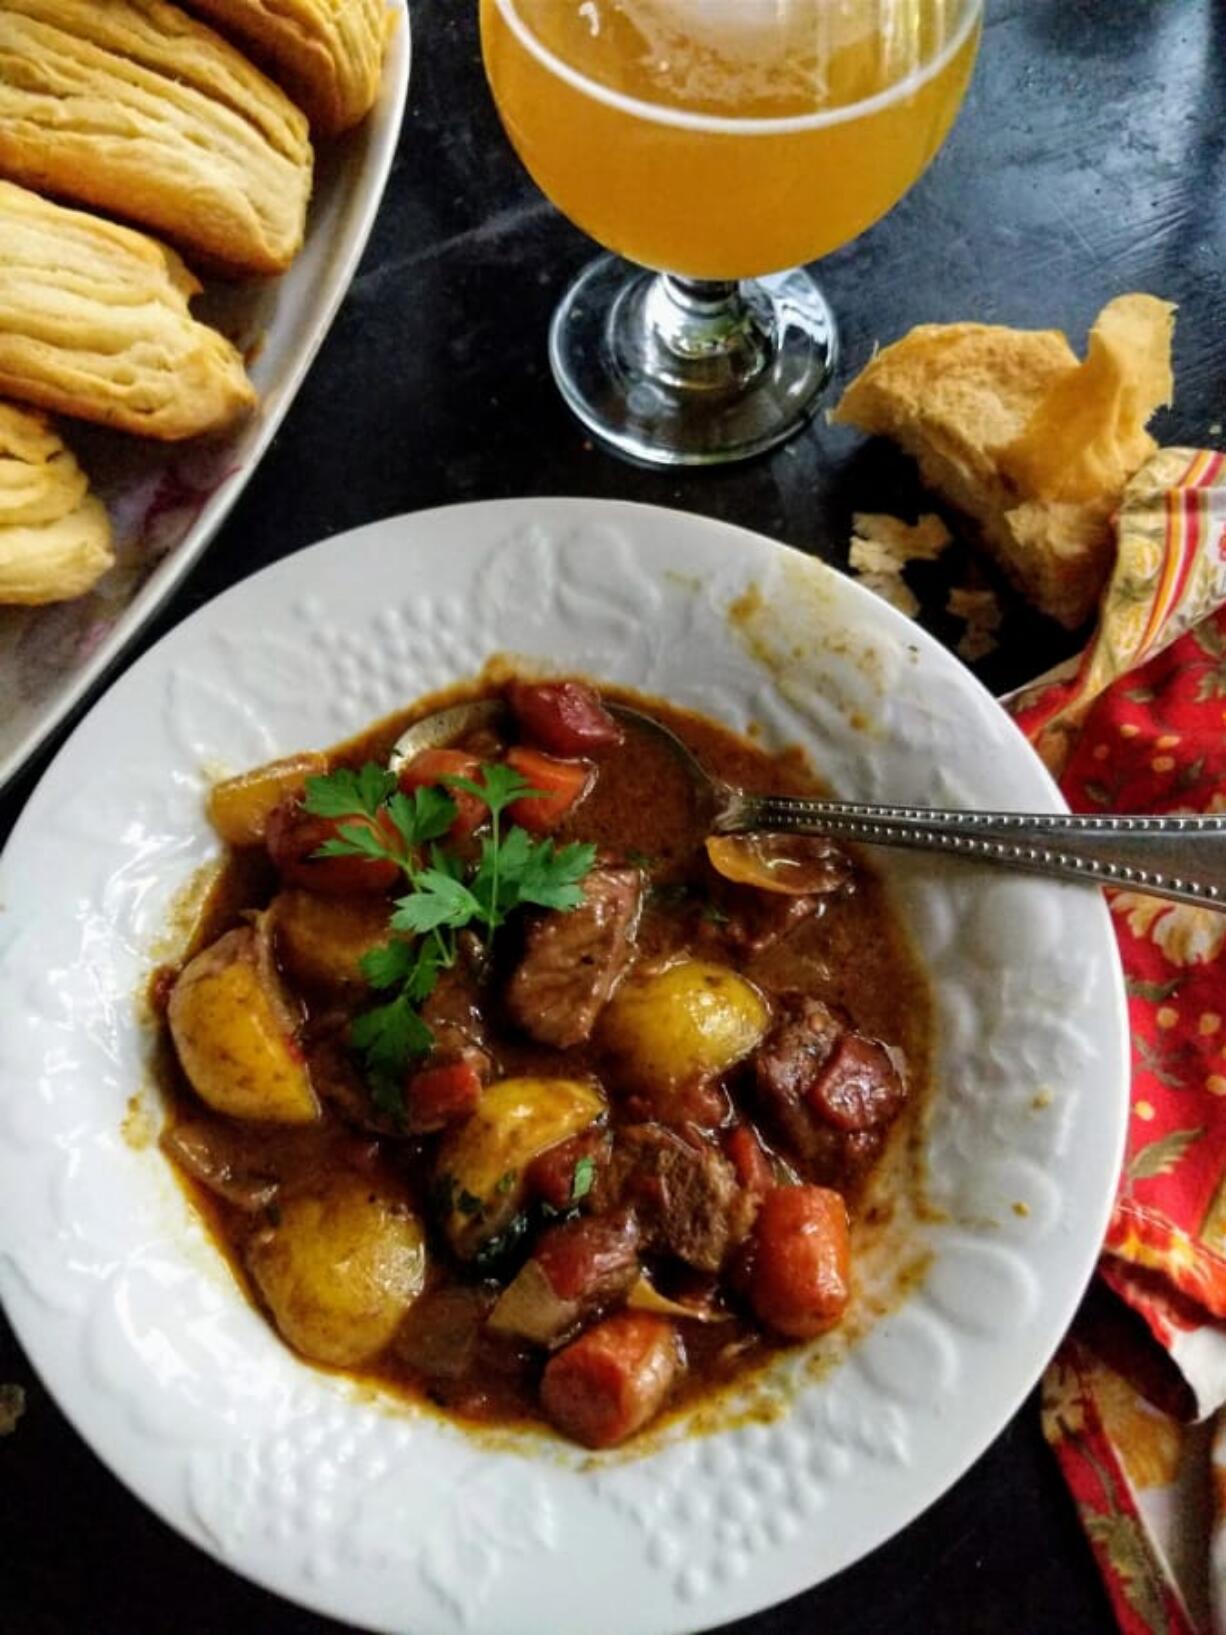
447, 893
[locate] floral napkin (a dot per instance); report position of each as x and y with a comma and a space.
1135, 1402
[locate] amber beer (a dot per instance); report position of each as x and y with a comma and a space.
727, 138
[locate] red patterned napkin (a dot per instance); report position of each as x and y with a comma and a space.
1138, 724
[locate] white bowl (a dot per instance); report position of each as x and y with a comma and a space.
390, 1518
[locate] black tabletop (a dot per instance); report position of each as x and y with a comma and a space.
1090, 160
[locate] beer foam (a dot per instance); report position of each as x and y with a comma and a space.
727, 52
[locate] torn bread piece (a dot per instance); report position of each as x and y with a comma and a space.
327, 53
134, 108
94, 321
55, 539
1036, 447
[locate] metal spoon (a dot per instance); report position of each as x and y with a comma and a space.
1183, 858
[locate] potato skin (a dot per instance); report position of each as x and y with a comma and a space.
481, 1166
233, 1029
690, 1021
239, 808
320, 940
340, 1269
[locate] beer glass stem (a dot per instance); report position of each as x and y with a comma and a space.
687, 371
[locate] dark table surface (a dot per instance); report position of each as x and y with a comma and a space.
1090, 160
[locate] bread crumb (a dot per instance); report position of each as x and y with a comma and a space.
900, 541
12, 1406
980, 610
881, 547
892, 588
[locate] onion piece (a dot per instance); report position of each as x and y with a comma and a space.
645, 1297
790, 865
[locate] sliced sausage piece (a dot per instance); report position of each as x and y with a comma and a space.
800, 1280
573, 961
442, 1095
612, 1380
564, 717
859, 1088
577, 1268
685, 1194
294, 838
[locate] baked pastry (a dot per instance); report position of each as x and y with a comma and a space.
135, 108
327, 53
1036, 447
94, 322
55, 540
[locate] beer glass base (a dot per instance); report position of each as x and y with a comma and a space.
682, 372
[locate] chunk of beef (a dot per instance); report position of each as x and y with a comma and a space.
218, 1159
831, 1092
441, 1334
751, 921
454, 1017
573, 961
340, 1085
685, 1194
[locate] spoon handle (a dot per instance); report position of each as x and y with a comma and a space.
1183, 858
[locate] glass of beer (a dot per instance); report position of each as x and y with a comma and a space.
709, 144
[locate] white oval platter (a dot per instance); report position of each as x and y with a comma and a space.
388, 1518
167, 501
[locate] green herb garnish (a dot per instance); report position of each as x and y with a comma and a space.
585, 1174
447, 894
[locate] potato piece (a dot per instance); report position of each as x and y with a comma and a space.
234, 1029
341, 1268
320, 940
688, 1022
480, 1168
238, 808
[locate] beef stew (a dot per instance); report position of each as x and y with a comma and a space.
500, 1085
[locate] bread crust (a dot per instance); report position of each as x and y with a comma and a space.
327, 53
94, 322
134, 108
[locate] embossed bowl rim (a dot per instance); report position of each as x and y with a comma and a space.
394, 1521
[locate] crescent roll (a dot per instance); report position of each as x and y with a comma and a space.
94, 322
55, 540
327, 53
134, 108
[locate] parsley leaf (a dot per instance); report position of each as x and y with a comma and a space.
585, 1174
513, 869
439, 900
389, 966
346, 793
355, 840
390, 1035
551, 877
425, 815
387, 1093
